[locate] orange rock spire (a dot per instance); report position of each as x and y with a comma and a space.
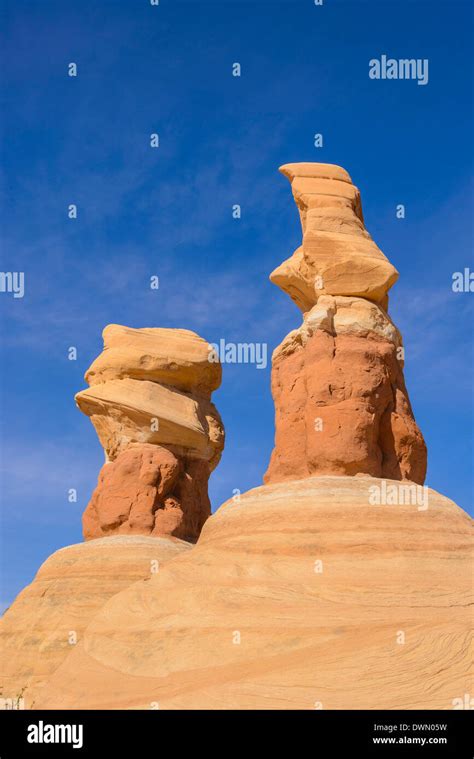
341, 405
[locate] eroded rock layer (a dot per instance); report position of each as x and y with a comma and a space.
148, 490
341, 405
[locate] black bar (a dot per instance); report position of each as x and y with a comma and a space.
320, 734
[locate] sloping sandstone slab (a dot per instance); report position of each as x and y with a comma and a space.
301, 595
130, 411
38, 631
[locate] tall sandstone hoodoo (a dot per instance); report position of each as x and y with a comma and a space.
149, 401
307, 592
341, 405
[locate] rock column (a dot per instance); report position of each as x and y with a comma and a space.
341, 404
149, 401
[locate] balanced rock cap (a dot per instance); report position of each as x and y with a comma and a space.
337, 255
176, 357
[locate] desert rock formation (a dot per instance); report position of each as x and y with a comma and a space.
342, 583
300, 595
341, 405
149, 401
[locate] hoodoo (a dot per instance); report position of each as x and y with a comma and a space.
149, 401
341, 405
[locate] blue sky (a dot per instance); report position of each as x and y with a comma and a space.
85, 140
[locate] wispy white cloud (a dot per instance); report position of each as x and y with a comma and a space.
436, 325
36, 477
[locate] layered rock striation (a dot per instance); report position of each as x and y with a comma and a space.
299, 595
149, 401
337, 255
49, 617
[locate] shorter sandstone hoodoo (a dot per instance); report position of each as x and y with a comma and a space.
149, 401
